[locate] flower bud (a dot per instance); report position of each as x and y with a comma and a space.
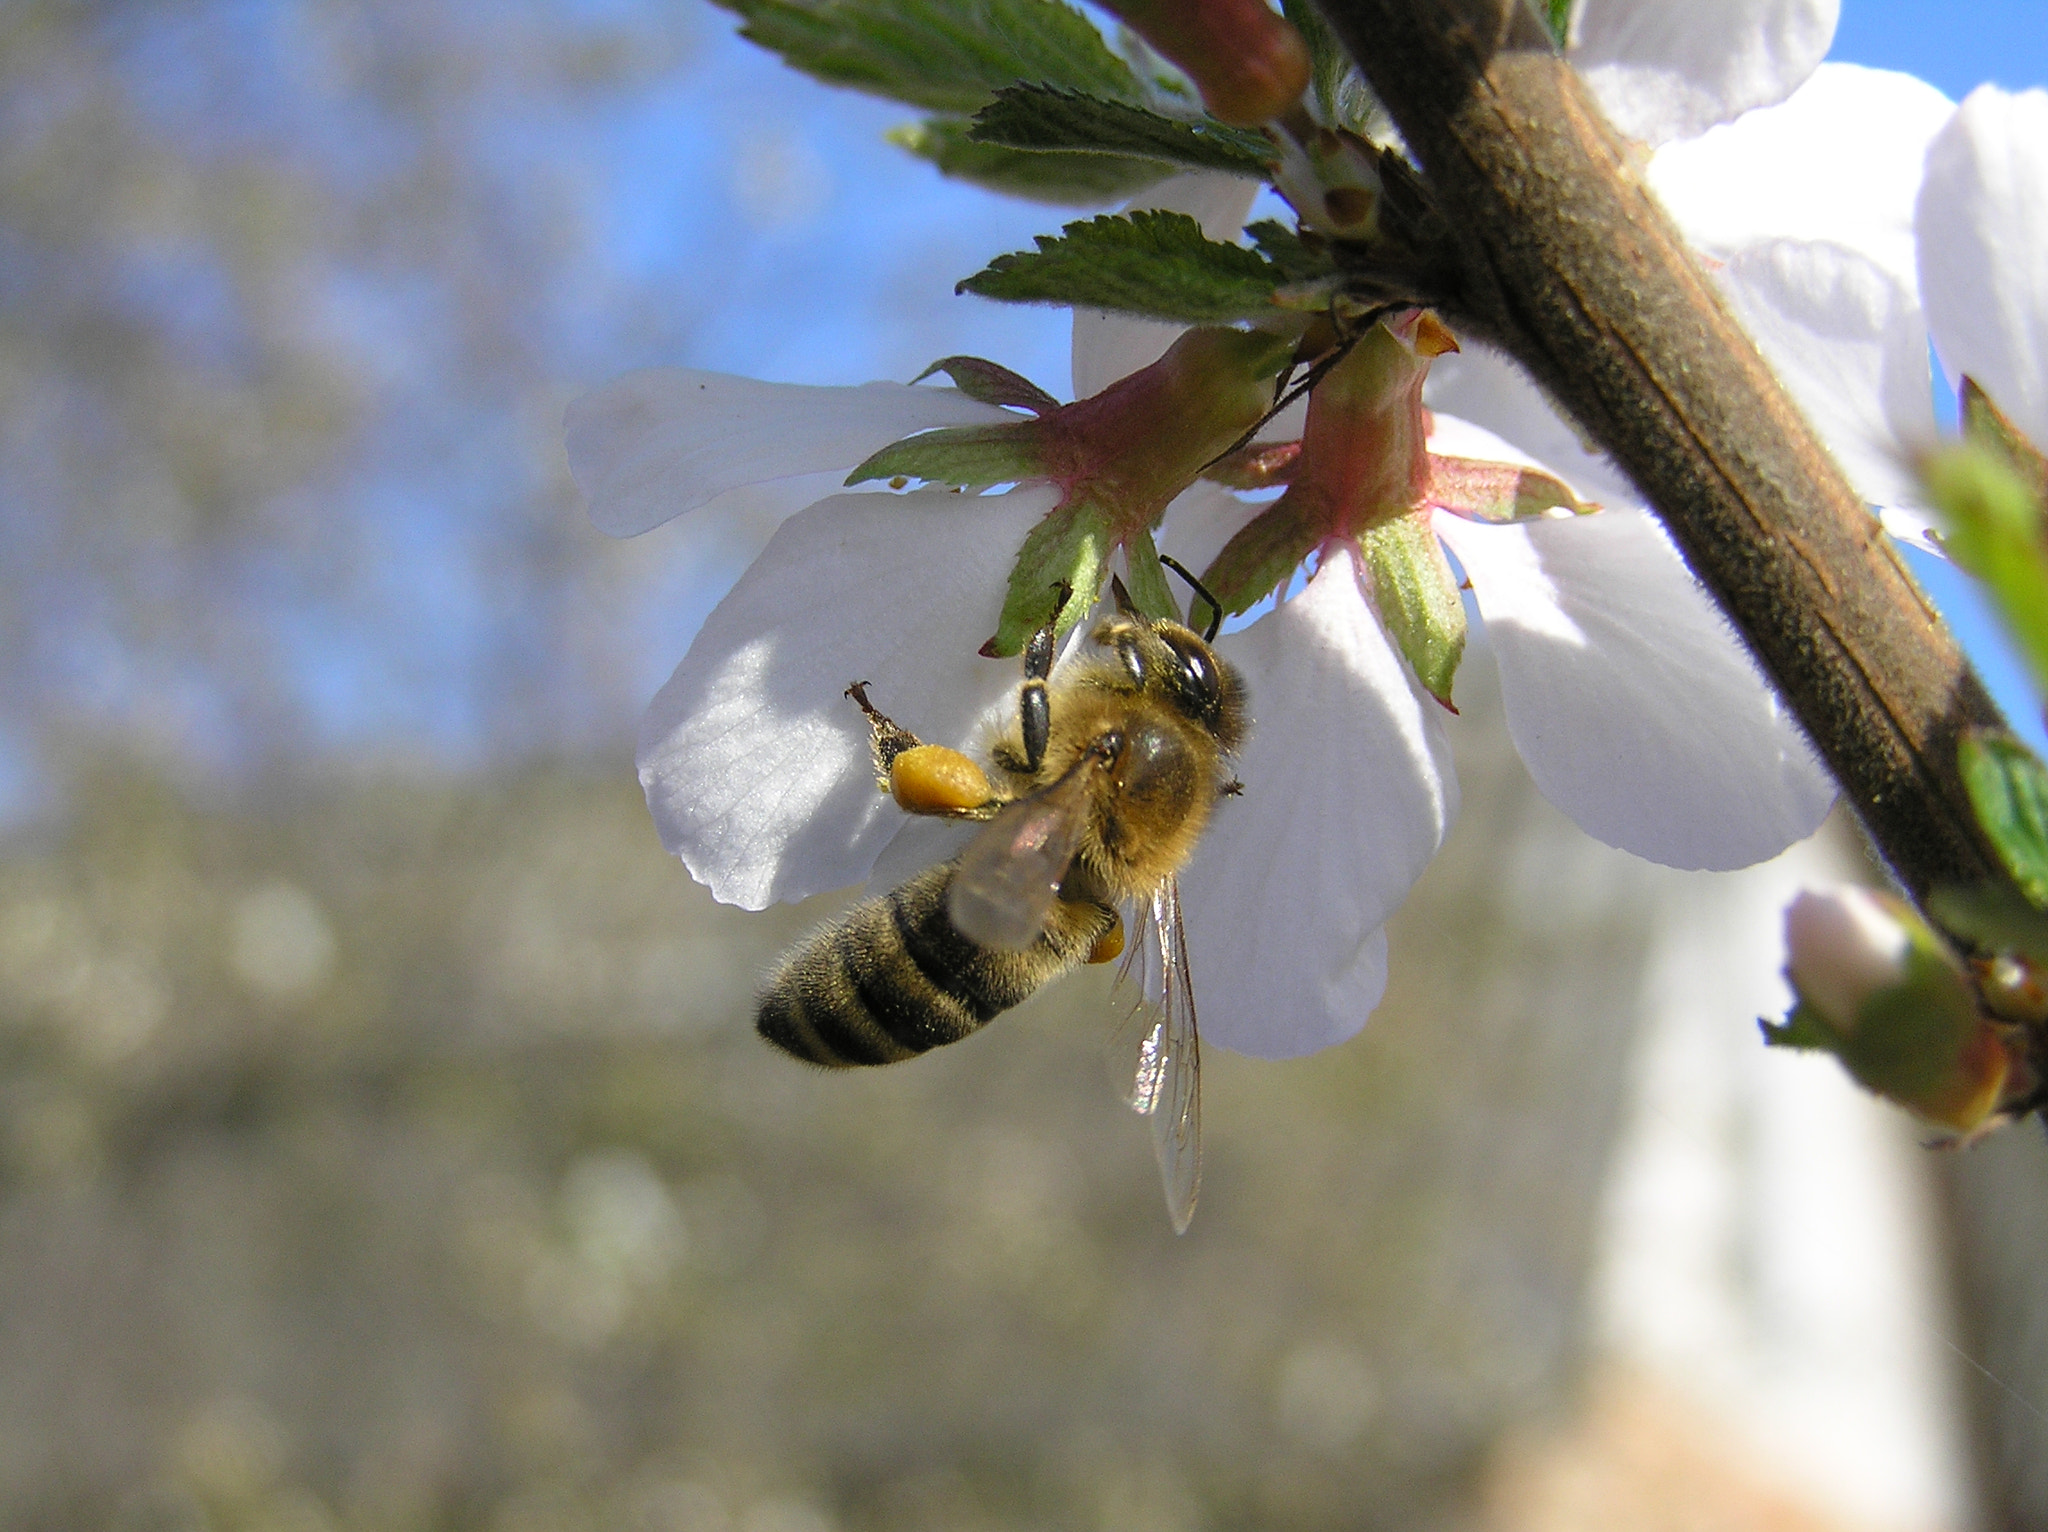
1882, 992
1248, 62
1844, 945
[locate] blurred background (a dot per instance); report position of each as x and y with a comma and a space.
383, 1139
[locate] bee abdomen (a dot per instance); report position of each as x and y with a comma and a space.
893, 979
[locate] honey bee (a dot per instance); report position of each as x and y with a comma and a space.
1094, 799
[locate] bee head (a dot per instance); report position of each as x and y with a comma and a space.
1176, 664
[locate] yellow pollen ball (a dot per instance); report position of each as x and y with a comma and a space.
1109, 945
930, 779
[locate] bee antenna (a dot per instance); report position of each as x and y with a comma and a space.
1123, 596
1215, 606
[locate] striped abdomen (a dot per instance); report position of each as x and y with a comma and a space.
893, 979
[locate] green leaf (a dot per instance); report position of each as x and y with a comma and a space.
1417, 597
942, 55
1995, 919
1156, 264
1040, 119
968, 457
1065, 180
2008, 786
991, 383
1297, 257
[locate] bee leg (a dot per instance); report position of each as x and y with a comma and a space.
1034, 712
1109, 946
886, 738
923, 779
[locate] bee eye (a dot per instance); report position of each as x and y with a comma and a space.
1196, 678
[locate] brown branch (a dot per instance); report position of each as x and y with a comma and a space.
1568, 263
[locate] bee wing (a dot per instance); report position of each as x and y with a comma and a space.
1010, 873
1164, 1051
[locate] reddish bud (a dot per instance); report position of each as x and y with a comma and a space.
1248, 62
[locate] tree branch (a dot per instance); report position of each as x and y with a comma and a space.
1568, 263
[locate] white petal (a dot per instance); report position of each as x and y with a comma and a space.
754, 761
1348, 791
1665, 69
1486, 388
649, 446
1840, 161
1112, 346
1983, 222
1848, 341
1634, 707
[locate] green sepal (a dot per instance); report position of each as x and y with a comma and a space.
992, 383
942, 55
2008, 787
1256, 465
1984, 422
1146, 578
1802, 1029
1040, 119
968, 457
1417, 598
1072, 547
1261, 557
1480, 489
1557, 21
1994, 919
1910, 1038
1064, 180
1994, 519
1154, 264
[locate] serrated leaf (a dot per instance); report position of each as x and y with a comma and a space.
1417, 598
2008, 787
1155, 264
1295, 257
942, 55
1043, 120
1064, 180
967, 457
991, 383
